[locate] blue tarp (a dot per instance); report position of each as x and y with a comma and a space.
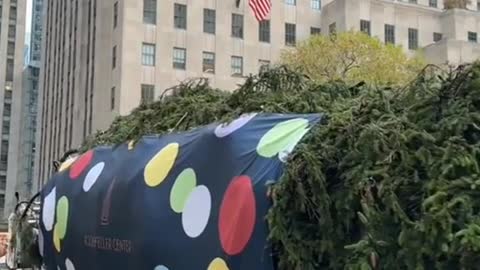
186, 201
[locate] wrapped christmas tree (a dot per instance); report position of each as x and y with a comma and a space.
389, 181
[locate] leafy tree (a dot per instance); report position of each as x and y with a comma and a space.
352, 57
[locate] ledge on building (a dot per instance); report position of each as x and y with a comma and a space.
451, 51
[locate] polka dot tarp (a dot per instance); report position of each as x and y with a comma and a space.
142, 205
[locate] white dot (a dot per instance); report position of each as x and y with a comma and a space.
48, 211
196, 213
40, 242
92, 176
160, 267
224, 130
69, 265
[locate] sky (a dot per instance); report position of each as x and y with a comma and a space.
29, 16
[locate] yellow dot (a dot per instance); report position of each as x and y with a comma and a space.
159, 166
56, 239
65, 165
218, 264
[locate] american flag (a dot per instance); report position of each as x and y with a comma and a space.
260, 8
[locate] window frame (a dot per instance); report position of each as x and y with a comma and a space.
316, 4
147, 54
413, 39
180, 16
12, 31
315, 31
150, 15
290, 2
147, 94
112, 98
366, 27
290, 37
237, 30
115, 15
11, 49
264, 34
389, 32
208, 64
472, 37
9, 70
181, 65
114, 57
236, 66
209, 26
5, 105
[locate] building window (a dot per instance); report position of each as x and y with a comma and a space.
332, 28
8, 95
3, 185
11, 48
263, 65
7, 109
412, 1
365, 26
315, 31
112, 98
437, 37
208, 62
472, 36
180, 16
115, 14
148, 93
209, 18
179, 58
9, 73
13, 14
412, 39
2, 201
148, 54
11, 31
264, 31
150, 11
316, 4
478, 5
291, 2
114, 57
290, 34
237, 25
433, 3
6, 127
389, 34
237, 66
4, 153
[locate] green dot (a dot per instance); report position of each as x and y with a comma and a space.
183, 186
281, 137
62, 217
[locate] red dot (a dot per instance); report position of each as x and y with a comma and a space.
81, 164
237, 215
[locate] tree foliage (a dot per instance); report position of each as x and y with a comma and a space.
390, 181
352, 57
